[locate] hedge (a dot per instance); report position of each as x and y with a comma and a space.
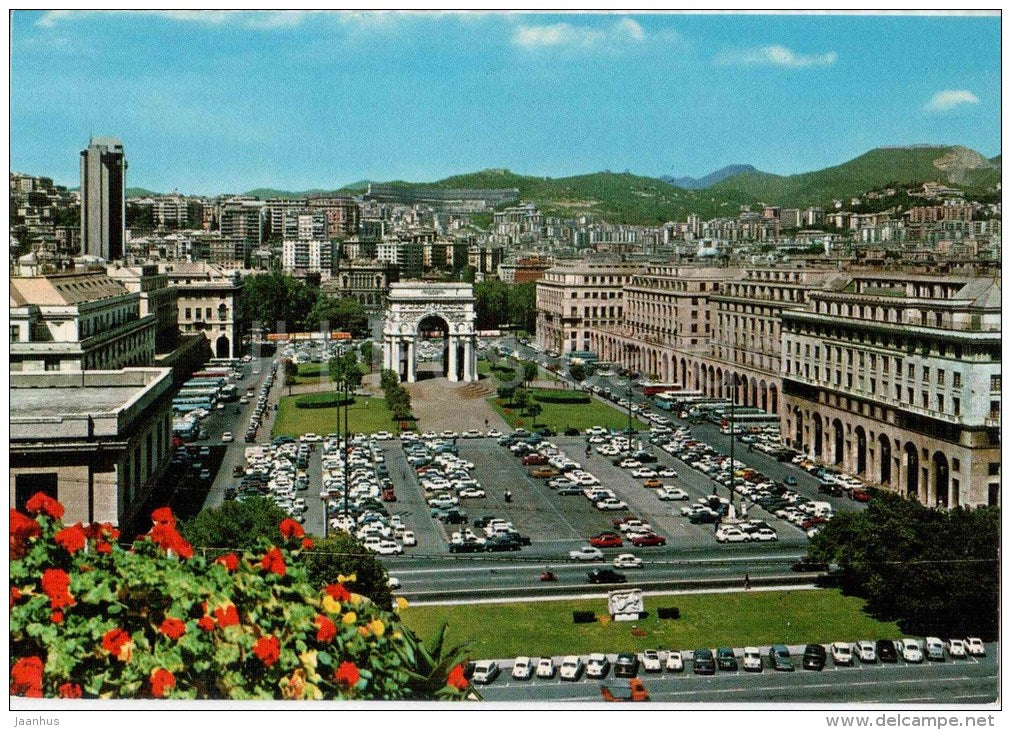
561, 396
323, 400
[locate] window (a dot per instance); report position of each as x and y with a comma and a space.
923, 398
940, 403
995, 409
909, 371
207, 312
993, 469
926, 375
874, 386
940, 376
197, 310
15, 332
909, 396
956, 465
189, 314
956, 406
956, 380
995, 382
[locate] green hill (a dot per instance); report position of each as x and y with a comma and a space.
139, 193
264, 193
954, 165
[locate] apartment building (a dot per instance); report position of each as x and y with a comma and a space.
156, 298
208, 304
897, 379
573, 299
305, 225
366, 281
342, 213
77, 321
243, 219
309, 256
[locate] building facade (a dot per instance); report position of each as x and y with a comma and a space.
209, 304
302, 256
156, 298
103, 198
367, 282
96, 441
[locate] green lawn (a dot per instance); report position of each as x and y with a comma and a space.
366, 415
309, 372
545, 628
500, 374
559, 416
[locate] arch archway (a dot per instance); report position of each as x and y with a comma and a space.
773, 398
941, 479
884, 460
431, 345
411, 306
912, 469
798, 432
837, 441
719, 383
861, 460
817, 436
222, 347
684, 373
752, 394
763, 396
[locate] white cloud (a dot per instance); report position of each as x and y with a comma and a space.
775, 56
565, 35
264, 20
948, 99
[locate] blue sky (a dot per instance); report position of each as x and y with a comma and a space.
209, 102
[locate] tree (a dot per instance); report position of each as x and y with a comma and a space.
234, 525
523, 305
366, 353
343, 554
346, 368
345, 315
522, 400
534, 410
290, 371
529, 371
276, 301
577, 371
506, 392
933, 571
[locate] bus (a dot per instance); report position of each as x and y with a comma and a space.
208, 393
206, 382
187, 405
669, 400
185, 428
230, 393
584, 356
651, 389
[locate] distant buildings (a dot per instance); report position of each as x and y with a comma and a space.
103, 198
367, 282
448, 199
300, 257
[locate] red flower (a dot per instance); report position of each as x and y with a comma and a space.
71, 538
70, 691
172, 628
347, 674
226, 615
307, 543
26, 677
274, 562
230, 561
101, 530
206, 623
56, 617
23, 529
40, 502
289, 529
268, 648
103, 547
456, 678
166, 537
118, 643
55, 583
163, 516
15, 595
327, 629
161, 681
338, 592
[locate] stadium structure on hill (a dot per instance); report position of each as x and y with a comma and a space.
463, 200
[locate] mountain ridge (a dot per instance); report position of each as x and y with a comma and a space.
700, 183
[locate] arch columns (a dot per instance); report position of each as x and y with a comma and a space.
451, 365
412, 375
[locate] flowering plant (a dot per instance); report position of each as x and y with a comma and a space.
159, 620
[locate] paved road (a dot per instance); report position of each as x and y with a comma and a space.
964, 681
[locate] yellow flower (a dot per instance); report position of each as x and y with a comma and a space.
355, 599
402, 603
347, 578
363, 630
331, 604
396, 636
377, 627
308, 658
349, 618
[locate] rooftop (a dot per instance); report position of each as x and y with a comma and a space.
68, 401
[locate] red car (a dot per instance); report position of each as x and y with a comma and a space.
648, 540
606, 540
534, 460
861, 495
389, 495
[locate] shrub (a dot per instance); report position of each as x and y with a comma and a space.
567, 397
90, 619
323, 400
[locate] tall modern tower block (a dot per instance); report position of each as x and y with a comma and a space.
103, 198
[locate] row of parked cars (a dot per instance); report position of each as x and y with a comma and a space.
261, 404
725, 659
276, 471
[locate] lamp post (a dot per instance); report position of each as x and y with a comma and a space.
733, 398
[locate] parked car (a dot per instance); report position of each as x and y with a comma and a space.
605, 575
545, 668
866, 652
975, 646
672, 494
725, 660
935, 649
597, 666
626, 665
703, 662
651, 661
606, 540
675, 662
842, 654
586, 553
911, 651
752, 659
485, 672
779, 658
627, 560
649, 540
571, 669
814, 657
956, 648
885, 649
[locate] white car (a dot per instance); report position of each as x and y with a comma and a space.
675, 662
956, 648
651, 661
752, 661
911, 651
471, 493
485, 672
587, 552
408, 538
471, 434
630, 464
522, 668
732, 534
382, 435
666, 471
597, 666
545, 668
494, 433
672, 494
571, 669
393, 583
866, 652
627, 560
449, 434
310, 438
227, 437
975, 646
934, 649
764, 534
842, 654
634, 525
389, 547
644, 473
611, 504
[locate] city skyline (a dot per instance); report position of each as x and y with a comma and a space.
811, 92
